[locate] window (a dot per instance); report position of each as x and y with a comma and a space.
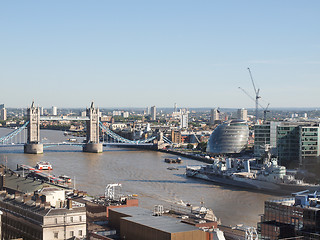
71, 219
71, 233
56, 220
80, 218
55, 235
80, 232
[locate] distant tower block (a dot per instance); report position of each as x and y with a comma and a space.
92, 142
33, 144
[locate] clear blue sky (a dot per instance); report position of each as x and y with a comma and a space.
128, 53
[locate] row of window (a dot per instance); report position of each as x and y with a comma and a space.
71, 234
72, 219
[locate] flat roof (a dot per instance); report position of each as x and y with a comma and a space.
132, 211
162, 223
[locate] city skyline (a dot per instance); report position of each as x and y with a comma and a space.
140, 54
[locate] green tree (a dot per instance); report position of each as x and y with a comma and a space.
190, 146
202, 146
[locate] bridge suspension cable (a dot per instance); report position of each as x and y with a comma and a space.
122, 139
166, 140
6, 138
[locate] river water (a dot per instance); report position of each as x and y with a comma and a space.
140, 172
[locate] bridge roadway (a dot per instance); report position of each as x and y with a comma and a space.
81, 144
64, 118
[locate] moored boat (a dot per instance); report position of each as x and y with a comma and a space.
44, 166
172, 160
66, 178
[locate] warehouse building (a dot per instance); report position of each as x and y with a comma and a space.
137, 223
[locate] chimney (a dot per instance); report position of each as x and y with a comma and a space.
47, 205
43, 198
26, 198
69, 203
38, 201
17, 194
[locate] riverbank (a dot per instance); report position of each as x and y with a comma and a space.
187, 155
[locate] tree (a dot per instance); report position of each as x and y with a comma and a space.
190, 146
202, 146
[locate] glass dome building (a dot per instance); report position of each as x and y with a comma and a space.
229, 137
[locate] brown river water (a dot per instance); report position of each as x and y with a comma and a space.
143, 173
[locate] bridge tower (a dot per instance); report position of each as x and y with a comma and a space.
33, 144
93, 144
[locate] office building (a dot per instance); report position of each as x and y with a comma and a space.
242, 114
265, 134
294, 143
297, 142
153, 113
214, 115
291, 218
309, 142
54, 111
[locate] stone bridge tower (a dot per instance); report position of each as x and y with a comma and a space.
33, 144
92, 142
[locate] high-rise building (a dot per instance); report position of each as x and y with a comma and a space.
3, 113
243, 114
54, 111
41, 111
184, 120
153, 113
214, 116
175, 108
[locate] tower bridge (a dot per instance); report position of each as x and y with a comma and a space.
92, 142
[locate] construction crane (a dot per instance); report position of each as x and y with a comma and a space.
265, 109
256, 91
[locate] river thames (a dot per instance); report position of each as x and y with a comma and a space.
143, 173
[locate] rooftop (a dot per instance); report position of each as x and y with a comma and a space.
163, 223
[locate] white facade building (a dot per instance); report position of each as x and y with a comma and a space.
242, 114
214, 115
153, 113
54, 111
184, 120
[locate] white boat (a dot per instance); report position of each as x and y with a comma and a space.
44, 166
66, 178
